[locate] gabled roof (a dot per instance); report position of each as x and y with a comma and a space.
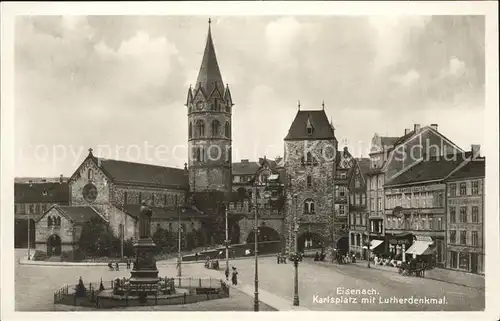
77, 214
123, 172
245, 167
434, 169
209, 75
364, 165
41, 193
38, 180
144, 174
321, 126
472, 169
389, 141
169, 212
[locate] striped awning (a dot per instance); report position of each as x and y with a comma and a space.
419, 248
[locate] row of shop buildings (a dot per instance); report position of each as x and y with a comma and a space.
424, 199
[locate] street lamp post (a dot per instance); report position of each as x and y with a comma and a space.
368, 242
179, 257
296, 257
227, 241
29, 235
256, 250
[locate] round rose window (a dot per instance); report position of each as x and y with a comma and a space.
90, 192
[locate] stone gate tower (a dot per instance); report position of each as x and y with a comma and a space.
209, 107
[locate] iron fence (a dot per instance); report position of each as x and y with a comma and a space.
199, 289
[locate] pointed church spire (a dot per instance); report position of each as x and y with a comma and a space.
209, 76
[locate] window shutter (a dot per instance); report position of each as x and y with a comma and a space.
480, 187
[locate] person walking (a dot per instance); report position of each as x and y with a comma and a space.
117, 266
227, 273
234, 277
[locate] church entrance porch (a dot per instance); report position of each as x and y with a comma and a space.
53, 245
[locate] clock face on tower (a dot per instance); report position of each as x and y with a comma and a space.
90, 192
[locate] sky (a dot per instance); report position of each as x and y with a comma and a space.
118, 84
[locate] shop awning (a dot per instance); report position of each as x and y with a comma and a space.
374, 244
419, 248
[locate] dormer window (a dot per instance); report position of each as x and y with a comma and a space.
309, 127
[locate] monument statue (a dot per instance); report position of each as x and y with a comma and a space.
145, 221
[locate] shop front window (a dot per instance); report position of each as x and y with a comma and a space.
463, 261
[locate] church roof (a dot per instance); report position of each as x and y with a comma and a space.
320, 124
169, 212
77, 214
41, 193
209, 76
144, 174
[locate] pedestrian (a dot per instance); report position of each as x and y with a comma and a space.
227, 273
117, 266
110, 266
234, 277
196, 256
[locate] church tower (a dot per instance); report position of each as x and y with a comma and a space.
209, 106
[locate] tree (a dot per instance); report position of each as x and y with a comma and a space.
97, 239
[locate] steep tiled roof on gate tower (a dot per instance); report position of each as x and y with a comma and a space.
320, 124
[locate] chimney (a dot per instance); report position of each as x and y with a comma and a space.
407, 131
61, 179
434, 126
185, 166
416, 127
476, 150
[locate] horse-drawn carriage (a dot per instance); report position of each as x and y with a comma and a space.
412, 268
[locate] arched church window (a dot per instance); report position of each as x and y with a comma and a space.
198, 154
190, 129
309, 181
308, 206
200, 128
215, 128
227, 130
309, 158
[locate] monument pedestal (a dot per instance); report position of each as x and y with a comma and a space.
144, 276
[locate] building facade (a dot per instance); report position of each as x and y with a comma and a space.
358, 218
309, 162
391, 157
32, 198
465, 217
415, 204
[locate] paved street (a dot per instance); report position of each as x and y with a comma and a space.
318, 281
35, 285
